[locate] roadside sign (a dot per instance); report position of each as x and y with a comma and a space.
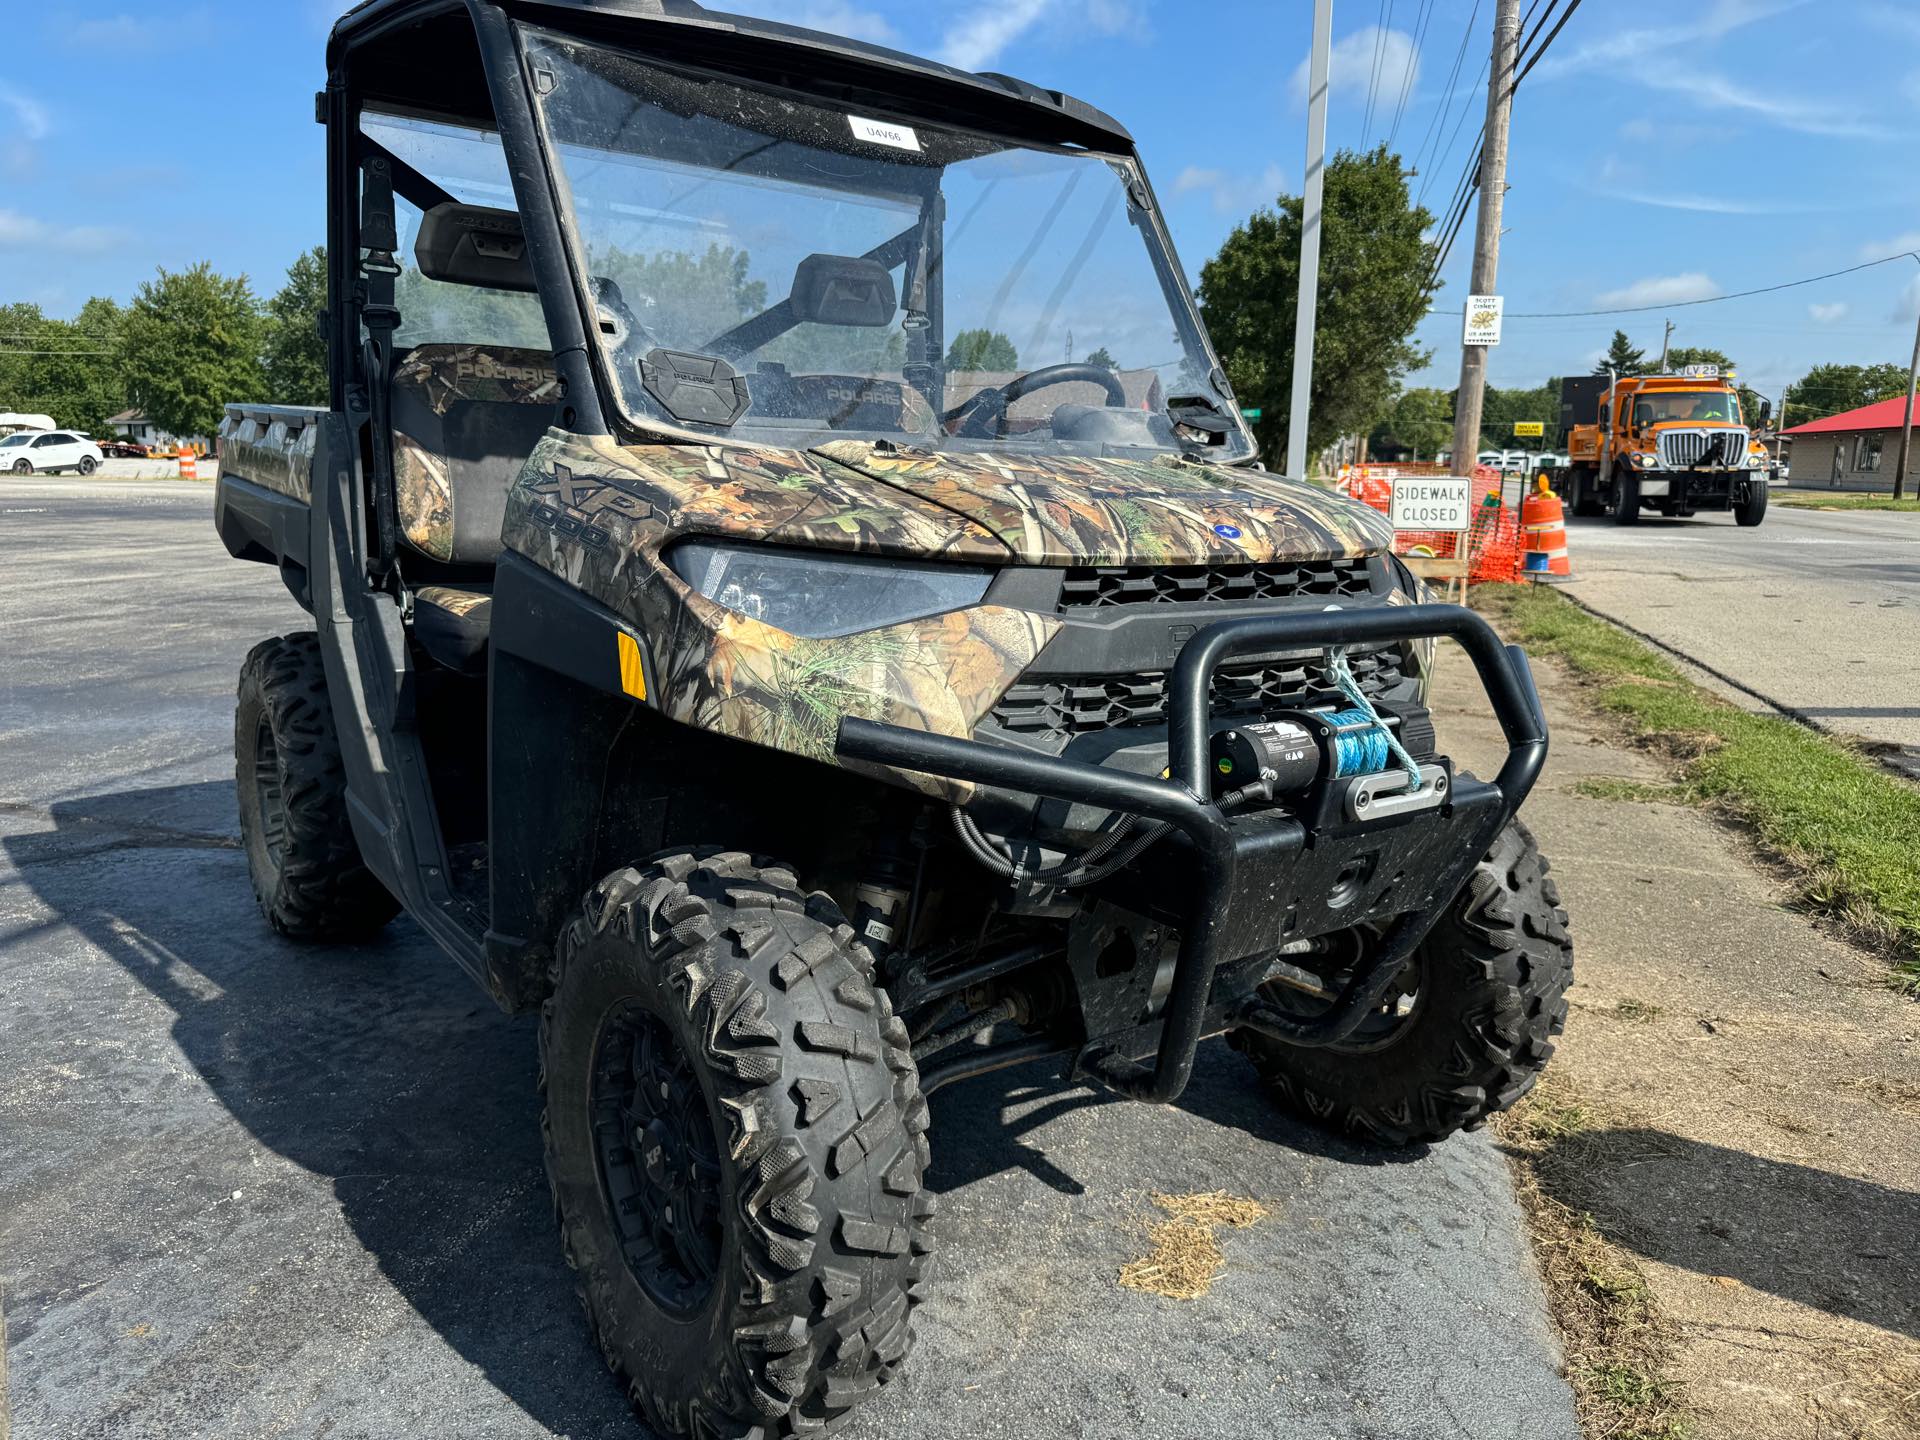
1432, 502
1482, 320
1536, 429
1253, 414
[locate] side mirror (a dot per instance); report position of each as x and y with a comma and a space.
843, 290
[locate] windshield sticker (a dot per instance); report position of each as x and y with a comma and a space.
883, 132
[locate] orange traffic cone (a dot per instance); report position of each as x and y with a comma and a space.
1543, 522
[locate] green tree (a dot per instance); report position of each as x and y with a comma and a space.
1373, 273
295, 359
189, 343
1698, 355
1103, 359
62, 368
1622, 357
982, 350
1503, 408
1420, 423
1832, 389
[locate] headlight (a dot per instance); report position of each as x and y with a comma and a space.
1642, 458
1758, 462
817, 595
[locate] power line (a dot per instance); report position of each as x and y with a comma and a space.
1436, 123
1420, 22
1711, 299
1373, 79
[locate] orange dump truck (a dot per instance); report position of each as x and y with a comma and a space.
1672, 443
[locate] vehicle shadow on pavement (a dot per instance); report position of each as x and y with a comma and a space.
1829, 1241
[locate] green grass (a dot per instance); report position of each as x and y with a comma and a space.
1848, 826
1842, 500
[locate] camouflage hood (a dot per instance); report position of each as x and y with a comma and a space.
1078, 510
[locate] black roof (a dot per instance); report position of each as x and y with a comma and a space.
693, 20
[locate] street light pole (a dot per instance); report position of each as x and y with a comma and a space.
1310, 212
1665, 340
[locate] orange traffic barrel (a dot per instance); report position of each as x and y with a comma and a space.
1543, 523
188, 470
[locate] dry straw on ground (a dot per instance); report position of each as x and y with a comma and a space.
1186, 1259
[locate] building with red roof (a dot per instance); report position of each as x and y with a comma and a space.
1854, 450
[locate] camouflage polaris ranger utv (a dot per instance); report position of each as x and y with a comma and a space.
795, 601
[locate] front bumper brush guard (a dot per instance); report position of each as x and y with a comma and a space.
1182, 800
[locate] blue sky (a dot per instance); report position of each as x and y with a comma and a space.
1661, 152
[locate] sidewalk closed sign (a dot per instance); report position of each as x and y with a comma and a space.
1483, 320
1432, 502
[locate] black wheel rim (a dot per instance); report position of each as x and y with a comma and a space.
1334, 964
267, 790
659, 1159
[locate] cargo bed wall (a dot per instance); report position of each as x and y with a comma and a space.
271, 446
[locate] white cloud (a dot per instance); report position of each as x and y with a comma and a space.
1899, 244
1352, 67
1232, 194
1703, 204
1909, 306
134, 33
30, 117
1660, 290
1717, 92
836, 17
1827, 314
1637, 48
1639, 130
26, 232
976, 42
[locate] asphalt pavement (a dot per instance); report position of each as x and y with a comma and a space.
252, 1189
1813, 612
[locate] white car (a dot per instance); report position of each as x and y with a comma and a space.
41, 451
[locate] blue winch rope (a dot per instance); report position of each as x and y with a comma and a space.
1341, 673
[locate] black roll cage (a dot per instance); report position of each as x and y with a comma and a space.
686, 33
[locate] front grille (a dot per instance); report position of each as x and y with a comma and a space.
1681, 448
1090, 587
1062, 706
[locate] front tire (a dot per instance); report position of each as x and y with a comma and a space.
1752, 511
307, 873
23, 467
1492, 978
1626, 497
736, 1141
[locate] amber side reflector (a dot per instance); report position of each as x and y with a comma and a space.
633, 675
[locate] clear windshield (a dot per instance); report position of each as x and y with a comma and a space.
862, 276
1710, 407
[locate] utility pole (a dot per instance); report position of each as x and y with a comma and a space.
1664, 339
1486, 235
1906, 422
1303, 323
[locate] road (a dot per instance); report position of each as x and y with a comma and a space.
251, 1189
1818, 612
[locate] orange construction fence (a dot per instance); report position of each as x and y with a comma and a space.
1492, 543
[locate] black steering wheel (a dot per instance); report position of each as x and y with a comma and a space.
981, 416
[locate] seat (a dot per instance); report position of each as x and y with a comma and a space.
465, 419
451, 623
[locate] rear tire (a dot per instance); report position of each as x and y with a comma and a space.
1583, 483
1626, 498
1751, 512
1492, 977
789, 1122
307, 873
88, 465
